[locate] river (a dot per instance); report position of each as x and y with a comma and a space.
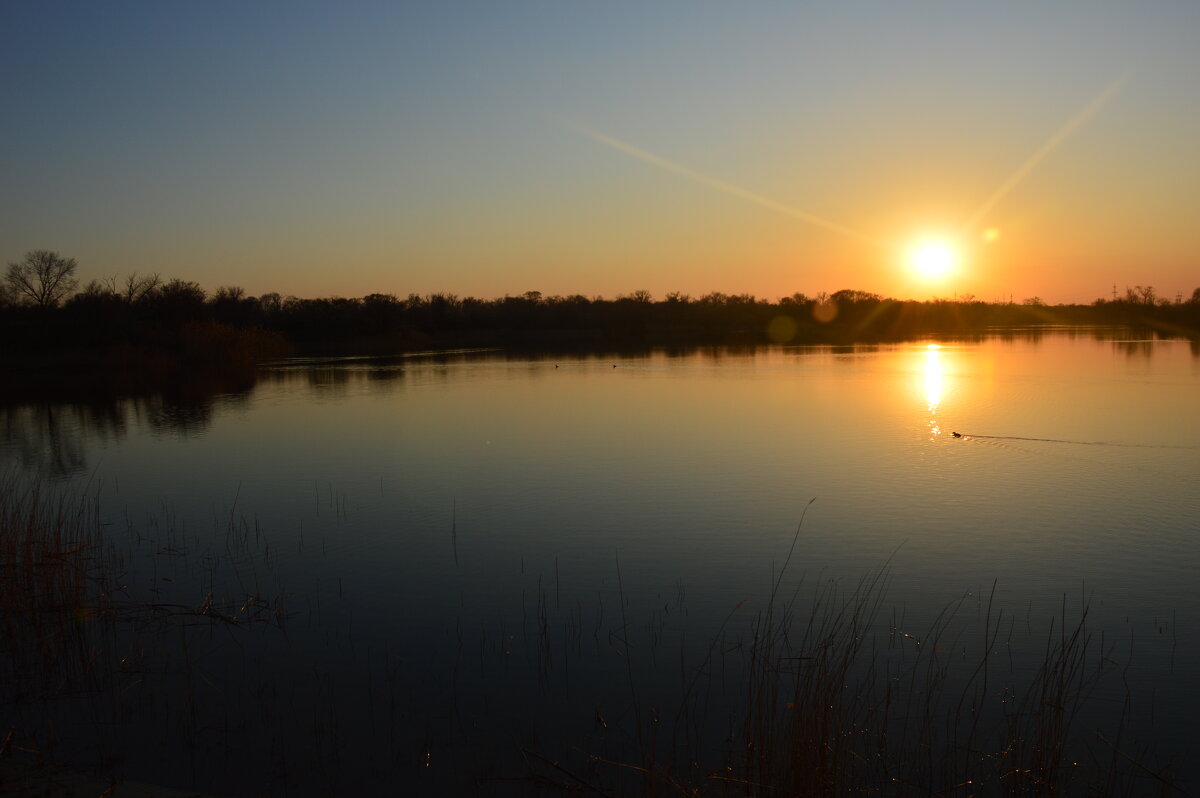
471, 564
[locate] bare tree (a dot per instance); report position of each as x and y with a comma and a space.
105, 287
1141, 295
42, 278
136, 288
230, 293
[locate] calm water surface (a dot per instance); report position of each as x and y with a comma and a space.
453, 536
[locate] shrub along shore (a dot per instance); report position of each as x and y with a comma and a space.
177, 324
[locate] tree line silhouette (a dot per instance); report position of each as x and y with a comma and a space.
144, 319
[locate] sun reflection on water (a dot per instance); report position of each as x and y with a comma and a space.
935, 381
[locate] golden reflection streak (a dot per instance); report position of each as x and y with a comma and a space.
721, 185
1073, 124
935, 381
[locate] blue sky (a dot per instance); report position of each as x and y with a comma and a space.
317, 149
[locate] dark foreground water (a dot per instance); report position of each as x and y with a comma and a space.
445, 572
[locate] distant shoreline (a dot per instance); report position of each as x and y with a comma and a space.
178, 327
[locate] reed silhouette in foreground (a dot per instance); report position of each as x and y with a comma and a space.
838, 700
820, 692
77, 648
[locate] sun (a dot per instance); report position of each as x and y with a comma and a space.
933, 260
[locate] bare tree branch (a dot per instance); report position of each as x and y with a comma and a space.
42, 278
138, 287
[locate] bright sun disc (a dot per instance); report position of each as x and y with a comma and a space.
933, 260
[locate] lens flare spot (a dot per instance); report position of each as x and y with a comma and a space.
825, 312
991, 235
782, 329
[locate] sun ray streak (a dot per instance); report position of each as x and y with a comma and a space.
1074, 123
721, 185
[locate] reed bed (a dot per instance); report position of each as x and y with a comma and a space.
52, 572
833, 698
83, 647
813, 689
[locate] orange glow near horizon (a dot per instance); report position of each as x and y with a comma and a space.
868, 248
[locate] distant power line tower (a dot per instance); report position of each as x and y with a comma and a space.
1114, 292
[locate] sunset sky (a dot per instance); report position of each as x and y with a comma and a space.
495, 148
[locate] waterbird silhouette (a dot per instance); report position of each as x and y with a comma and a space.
989, 438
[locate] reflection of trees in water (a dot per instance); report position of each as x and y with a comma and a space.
181, 419
385, 374
50, 437
329, 381
1145, 344
1135, 349
336, 376
50, 434
1133, 341
187, 408
43, 438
